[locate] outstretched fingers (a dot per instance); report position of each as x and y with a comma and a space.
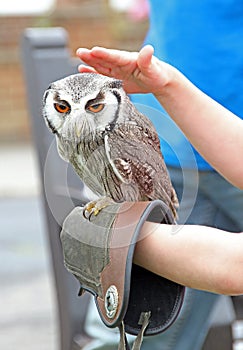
115, 63
137, 70
98, 69
112, 56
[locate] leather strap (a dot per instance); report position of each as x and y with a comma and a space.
114, 274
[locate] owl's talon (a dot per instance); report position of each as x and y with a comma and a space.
84, 214
88, 210
89, 213
93, 212
89, 217
94, 207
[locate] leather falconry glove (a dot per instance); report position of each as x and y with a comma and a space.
99, 253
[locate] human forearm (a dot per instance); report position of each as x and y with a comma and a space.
213, 130
195, 256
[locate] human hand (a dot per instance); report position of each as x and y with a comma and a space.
141, 72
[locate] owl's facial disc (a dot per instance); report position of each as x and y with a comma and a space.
80, 106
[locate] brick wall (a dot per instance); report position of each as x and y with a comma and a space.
88, 22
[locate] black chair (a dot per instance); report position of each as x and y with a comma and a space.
45, 58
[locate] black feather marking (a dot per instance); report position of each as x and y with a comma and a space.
113, 123
51, 126
45, 95
99, 98
115, 84
57, 96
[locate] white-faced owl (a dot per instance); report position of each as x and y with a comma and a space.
113, 147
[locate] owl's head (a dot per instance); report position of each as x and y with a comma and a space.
81, 105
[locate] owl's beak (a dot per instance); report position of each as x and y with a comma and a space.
78, 130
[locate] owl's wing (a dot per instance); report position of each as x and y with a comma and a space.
135, 154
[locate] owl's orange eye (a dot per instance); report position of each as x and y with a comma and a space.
96, 107
62, 107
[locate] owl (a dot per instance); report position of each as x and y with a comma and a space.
113, 147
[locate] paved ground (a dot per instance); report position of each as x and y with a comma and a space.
27, 306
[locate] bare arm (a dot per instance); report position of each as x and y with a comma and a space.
195, 256
213, 130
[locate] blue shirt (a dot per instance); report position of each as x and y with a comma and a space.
204, 40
